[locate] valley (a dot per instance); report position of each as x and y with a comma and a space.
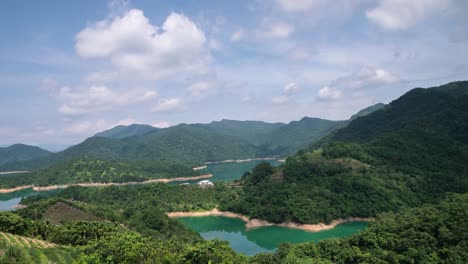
353, 191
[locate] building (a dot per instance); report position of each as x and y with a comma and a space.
205, 183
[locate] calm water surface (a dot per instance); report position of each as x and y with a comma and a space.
8, 201
263, 239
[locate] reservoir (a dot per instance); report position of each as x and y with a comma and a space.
8, 201
231, 171
262, 239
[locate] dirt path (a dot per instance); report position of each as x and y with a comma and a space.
97, 184
254, 223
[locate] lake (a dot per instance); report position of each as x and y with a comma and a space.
262, 239
8, 201
230, 171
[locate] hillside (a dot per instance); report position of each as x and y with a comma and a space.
191, 143
411, 152
100, 171
368, 110
298, 135
253, 132
121, 131
21, 152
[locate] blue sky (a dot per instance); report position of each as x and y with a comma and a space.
69, 69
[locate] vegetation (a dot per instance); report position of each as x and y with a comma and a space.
21, 152
191, 144
404, 164
430, 234
120, 132
82, 171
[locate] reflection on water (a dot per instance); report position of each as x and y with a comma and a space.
263, 239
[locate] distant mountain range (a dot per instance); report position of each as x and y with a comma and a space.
190, 143
21, 152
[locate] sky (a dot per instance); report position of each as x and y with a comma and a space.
69, 69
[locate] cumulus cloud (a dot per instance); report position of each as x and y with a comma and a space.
169, 105
329, 93
365, 77
403, 14
98, 98
132, 43
290, 89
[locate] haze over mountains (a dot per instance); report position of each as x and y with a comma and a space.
191, 143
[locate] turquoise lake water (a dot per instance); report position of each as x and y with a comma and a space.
262, 239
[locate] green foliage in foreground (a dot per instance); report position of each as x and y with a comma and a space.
82, 171
429, 234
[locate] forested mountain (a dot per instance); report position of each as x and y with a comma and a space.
298, 135
253, 132
191, 143
368, 110
121, 131
21, 152
409, 153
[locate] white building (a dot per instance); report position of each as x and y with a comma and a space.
205, 183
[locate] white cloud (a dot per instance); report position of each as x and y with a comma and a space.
290, 89
403, 14
98, 98
201, 88
169, 105
161, 124
132, 43
365, 77
329, 93
280, 99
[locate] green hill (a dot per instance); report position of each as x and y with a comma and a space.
191, 143
368, 110
409, 153
133, 130
21, 152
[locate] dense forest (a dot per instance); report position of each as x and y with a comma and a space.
404, 164
187, 143
89, 171
411, 152
125, 232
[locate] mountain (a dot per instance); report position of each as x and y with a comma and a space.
368, 110
192, 143
253, 132
298, 135
21, 152
411, 152
120, 132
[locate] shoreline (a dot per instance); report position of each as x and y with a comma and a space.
255, 223
102, 184
240, 160
12, 172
